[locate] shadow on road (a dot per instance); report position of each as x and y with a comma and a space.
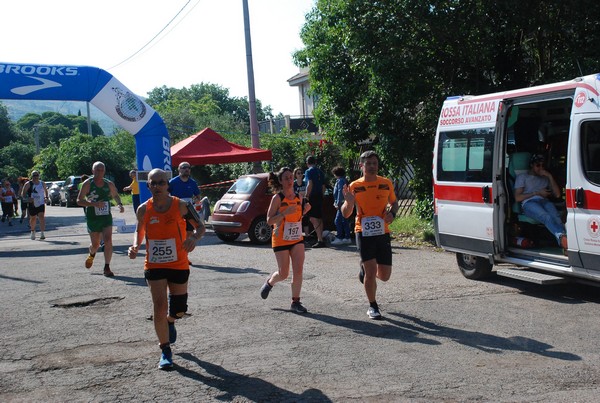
237, 385
385, 328
569, 293
46, 250
481, 341
25, 280
230, 270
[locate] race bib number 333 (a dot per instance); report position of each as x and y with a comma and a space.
372, 226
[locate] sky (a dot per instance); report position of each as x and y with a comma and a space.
204, 43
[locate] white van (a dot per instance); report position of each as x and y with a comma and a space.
482, 143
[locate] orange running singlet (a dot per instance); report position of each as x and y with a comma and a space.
165, 233
372, 199
289, 231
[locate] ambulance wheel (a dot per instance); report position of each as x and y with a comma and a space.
473, 267
227, 236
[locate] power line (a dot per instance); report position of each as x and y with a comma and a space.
155, 36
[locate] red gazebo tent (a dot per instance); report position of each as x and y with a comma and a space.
208, 147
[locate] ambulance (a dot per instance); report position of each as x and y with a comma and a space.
482, 143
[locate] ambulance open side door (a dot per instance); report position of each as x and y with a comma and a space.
583, 193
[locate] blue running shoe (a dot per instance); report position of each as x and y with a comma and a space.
172, 333
166, 359
265, 290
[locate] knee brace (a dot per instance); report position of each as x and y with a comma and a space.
177, 305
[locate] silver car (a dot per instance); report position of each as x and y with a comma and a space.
54, 193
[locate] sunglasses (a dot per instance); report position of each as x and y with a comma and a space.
187, 167
159, 183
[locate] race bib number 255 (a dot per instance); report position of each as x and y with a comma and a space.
162, 250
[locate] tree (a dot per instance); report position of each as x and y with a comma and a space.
7, 131
382, 69
187, 110
16, 160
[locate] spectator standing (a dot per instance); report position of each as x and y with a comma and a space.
300, 188
36, 194
24, 203
95, 195
15, 187
7, 195
376, 207
285, 215
314, 179
134, 188
161, 221
341, 223
185, 188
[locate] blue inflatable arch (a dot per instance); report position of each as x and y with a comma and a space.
101, 89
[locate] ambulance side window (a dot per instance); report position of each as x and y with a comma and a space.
590, 149
465, 155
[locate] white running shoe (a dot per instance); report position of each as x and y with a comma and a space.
33, 235
337, 241
374, 313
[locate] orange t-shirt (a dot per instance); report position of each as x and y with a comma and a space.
165, 233
289, 231
372, 199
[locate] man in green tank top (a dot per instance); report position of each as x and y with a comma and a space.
95, 195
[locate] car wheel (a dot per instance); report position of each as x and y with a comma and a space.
260, 231
473, 267
227, 236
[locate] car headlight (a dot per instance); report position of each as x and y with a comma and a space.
243, 207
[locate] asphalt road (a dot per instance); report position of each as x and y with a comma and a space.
70, 334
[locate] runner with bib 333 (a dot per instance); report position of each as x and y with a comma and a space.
376, 207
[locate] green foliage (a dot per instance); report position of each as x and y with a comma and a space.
382, 69
77, 154
7, 131
412, 229
423, 208
189, 110
45, 162
16, 160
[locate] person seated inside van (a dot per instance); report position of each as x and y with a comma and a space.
533, 189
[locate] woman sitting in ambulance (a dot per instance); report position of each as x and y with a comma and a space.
532, 190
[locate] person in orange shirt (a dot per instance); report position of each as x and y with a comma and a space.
161, 221
376, 207
285, 216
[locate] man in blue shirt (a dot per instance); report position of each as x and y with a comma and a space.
314, 179
184, 187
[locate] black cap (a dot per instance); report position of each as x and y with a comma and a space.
536, 158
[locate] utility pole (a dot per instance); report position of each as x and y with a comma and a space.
89, 119
36, 136
251, 94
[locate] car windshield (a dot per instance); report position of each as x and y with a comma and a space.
244, 185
